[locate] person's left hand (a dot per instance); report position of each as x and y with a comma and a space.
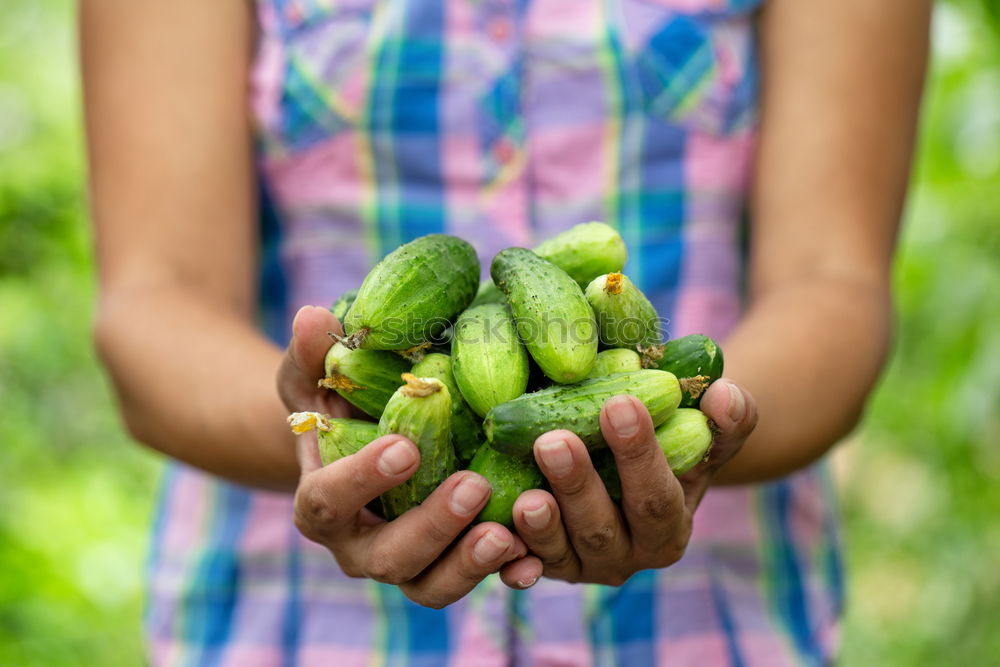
579, 533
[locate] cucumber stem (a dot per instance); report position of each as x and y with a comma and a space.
356, 339
613, 283
419, 387
416, 353
695, 386
338, 381
651, 354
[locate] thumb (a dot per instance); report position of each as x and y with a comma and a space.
734, 412
302, 366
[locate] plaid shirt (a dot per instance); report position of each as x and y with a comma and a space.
503, 122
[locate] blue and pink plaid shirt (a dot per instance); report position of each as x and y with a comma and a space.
503, 122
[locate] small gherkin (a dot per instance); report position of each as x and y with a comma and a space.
509, 478
420, 411
552, 316
338, 437
466, 427
490, 362
412, 294
615, 360
625, 317
365, 378
512, 427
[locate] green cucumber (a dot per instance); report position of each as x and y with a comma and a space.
552, 316
488, 293
365, 378
420, 410
615, 360
509, 478
512, 427
338, 437
491, 364
692, 356
685, 438
466, 428
342, 305
585, 251
410, 296
625, 317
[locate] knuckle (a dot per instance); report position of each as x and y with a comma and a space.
572, 487
313, 510
383, 566
656, 506
561, 563
437, 533
598, 539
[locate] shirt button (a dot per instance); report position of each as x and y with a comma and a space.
499, 28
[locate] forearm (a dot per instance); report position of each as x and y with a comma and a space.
196, 382
810, 355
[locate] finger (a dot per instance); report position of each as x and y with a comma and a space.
302, 366
403, 548
481, 552
522, 573
733, 411
593, 522
328, 500
652, 498
538, 521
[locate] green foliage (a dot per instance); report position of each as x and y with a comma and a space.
920, 481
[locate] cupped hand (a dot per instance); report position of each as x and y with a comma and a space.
427, 551
581, 535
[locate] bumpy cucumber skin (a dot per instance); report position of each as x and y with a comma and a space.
689, 356
552, 316
625, 317
685, 439
585, 251
410, 295
512, 427
466, 427
488, 293
342, 305
490, 362
509, 478
615, 360
365, 378
426, 421
344, 437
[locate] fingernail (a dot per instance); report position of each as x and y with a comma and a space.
624, 418
737, 404
295, 320
490, 547
396, 458
527, 583
556, 457
469, 495
538, 518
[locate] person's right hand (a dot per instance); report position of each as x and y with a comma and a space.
417, 551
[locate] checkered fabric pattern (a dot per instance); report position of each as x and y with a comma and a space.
503, 122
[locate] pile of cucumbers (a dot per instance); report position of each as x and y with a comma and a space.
473, 373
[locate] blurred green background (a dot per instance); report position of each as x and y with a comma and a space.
920, 480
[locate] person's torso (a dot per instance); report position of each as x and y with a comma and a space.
503, 122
